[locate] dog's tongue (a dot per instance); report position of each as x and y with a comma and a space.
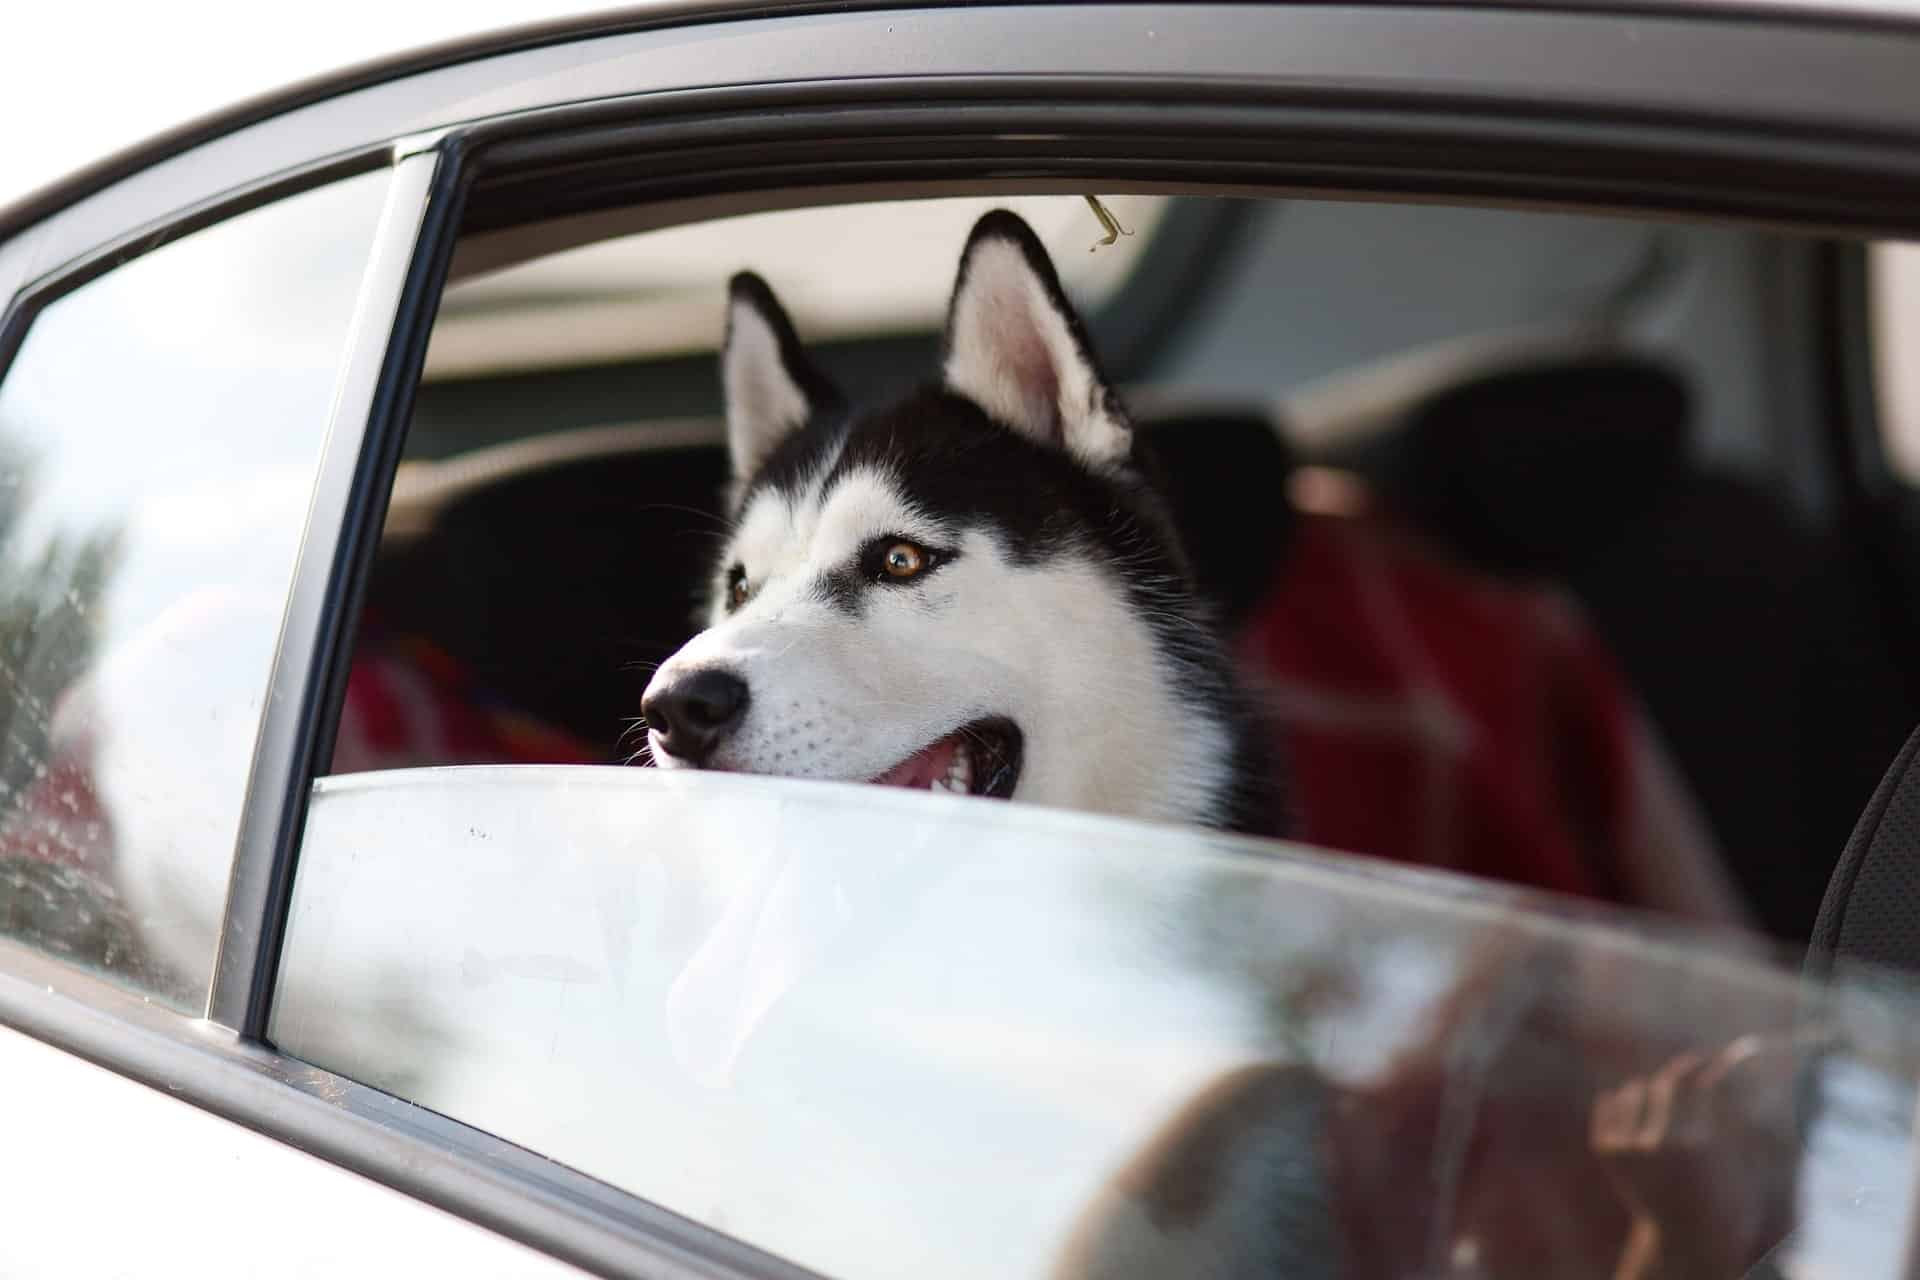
922, 768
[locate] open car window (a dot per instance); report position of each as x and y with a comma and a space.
1491, 523
885, 1035
1506, 515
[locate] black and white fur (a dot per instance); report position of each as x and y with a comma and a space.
1051, 629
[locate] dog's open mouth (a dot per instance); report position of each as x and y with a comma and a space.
979, 759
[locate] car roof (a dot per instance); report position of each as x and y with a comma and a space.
160, 106
470, 32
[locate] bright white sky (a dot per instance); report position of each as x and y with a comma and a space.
92, 77
1895, 275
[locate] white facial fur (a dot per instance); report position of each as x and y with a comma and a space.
1053, 646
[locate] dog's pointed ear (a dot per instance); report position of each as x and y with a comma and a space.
1015, 348
771, 388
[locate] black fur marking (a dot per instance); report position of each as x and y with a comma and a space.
948, 457
845, 589
797, 460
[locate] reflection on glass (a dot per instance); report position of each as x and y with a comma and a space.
159, 431
892, 1034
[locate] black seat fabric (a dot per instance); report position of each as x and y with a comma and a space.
1746, 632
1871, 912
1871, 916
1225, 476
1531, 470
561, 587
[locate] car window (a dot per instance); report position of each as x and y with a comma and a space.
888, 1035
1893, 273
1498, 519
1505, 514
160, 427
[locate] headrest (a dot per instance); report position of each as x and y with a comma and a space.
1872, 909
1530, 468
1225, 475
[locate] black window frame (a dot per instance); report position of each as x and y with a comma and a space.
1525, 112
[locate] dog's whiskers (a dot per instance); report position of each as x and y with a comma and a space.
635, 724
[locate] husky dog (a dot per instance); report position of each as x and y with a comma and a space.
977, 589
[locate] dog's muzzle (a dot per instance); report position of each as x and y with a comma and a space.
693, 713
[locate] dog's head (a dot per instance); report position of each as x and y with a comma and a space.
972, 590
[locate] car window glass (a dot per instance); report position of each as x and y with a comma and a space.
159, 432
1894, 288
885, 1034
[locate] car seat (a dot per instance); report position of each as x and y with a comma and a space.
1870, 916
557, 585
1871, 911
1749, 635
1425, 711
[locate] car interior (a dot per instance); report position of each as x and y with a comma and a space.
1559, 549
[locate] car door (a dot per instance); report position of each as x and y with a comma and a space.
292, 1035
171, 409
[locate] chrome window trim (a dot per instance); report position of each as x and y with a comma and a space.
362, 447
22, 294
1885, 15
1830, 77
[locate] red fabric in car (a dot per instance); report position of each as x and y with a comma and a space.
1433, 715
411, 704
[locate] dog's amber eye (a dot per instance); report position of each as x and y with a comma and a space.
737, 591
903, 560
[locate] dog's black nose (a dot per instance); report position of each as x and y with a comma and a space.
695, 711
